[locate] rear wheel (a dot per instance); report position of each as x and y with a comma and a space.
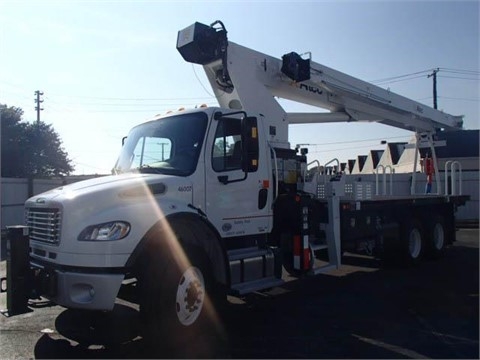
436, 237
412, 242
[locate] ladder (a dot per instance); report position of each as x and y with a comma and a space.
335, 189
331, 189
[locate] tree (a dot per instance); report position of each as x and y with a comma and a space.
31, 149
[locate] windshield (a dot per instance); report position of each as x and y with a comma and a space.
169, 145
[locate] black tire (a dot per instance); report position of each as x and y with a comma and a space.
436, 239
412, 242
178, 295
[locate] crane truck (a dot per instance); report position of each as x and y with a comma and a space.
214, 200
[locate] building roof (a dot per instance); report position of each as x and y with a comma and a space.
460, 144
396, 150
376, 155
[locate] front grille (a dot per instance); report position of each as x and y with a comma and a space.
44, 225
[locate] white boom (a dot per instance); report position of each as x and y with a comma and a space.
244, 79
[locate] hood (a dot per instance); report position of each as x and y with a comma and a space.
125, 186
138, 199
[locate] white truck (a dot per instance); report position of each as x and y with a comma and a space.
214, 201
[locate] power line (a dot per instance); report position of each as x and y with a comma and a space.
341, 149
400, 77
87, 165
420, 74
120, 104
425, 98
460, 71
457, 98
131, 99
459, 77
433, 73
356, 141
400, 80
110, 98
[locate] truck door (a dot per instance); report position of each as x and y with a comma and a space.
238, 203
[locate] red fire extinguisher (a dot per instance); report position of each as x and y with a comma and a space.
429, 170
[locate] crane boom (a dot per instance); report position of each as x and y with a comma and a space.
245, 79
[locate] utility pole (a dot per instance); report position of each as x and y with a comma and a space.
2, 107
38, 101
434, 74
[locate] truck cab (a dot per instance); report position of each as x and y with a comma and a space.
207, 164
220, 156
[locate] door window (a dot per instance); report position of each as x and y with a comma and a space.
227, 147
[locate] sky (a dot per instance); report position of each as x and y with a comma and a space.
106, 66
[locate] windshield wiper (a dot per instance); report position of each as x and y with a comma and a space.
145, 168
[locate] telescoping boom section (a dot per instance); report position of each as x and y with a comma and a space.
249, 80
313, 210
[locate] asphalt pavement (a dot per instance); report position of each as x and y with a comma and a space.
362, 310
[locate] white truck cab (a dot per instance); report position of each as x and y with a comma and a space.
193, 162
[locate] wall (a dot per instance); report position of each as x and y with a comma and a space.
15, 191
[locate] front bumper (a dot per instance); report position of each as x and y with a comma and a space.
77, 288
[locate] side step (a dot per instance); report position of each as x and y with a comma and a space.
321, 244
256, 285
317, 243
246, 253
316, 247
322, 269
253, 269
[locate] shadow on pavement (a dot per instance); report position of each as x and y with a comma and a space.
114, 335
94, 335
421, 311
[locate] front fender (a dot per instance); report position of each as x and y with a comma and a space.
141, 215
198, 225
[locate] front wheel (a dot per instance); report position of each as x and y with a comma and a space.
177, 305
191, 296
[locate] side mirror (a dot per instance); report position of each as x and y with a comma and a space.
123, 140
250, 151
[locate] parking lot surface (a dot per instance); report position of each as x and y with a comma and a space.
362, 310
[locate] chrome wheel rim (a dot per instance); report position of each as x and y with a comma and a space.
190, 296
438, 236
415, 243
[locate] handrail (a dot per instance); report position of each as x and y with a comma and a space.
384, 176
306, 169
454, 166
275, 194
325, 168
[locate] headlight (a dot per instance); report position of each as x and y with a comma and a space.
114, 230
